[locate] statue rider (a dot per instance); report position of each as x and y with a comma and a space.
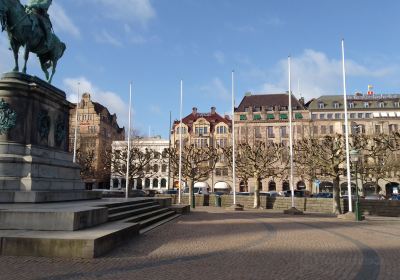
40, 8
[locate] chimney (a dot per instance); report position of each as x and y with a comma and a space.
194, 111
213, 110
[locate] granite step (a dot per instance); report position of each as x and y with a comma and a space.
156, 221
132, 213
124, 208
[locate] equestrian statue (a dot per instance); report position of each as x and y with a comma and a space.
30, 26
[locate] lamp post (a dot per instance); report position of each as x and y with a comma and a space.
355, 157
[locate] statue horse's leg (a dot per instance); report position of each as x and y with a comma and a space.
26, 57
53, 70
15, 48
43, 65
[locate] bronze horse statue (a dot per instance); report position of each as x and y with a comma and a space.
24, 29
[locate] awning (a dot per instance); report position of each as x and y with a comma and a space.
298, 116
243, 117
283, 116
221, 186
392, 114
398, 114
270, 116
201, 185
384, 114
257, 117
376, 115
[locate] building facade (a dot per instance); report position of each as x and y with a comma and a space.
265, 118
96, 130
207, 129
371, 115
155, 175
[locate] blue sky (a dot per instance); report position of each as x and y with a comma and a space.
156, 43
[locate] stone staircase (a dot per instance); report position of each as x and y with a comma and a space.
147, 213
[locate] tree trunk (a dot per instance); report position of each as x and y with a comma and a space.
336, 196
257, 194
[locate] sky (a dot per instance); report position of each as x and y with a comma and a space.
156, 43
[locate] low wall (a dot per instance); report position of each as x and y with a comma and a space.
388, 208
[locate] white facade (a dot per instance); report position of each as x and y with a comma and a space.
158, 177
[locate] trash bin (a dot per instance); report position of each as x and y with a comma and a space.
218, 201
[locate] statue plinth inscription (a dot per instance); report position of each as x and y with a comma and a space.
35, 165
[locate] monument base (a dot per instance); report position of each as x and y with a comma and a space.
293, 211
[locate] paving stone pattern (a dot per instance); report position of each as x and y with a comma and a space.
212, 243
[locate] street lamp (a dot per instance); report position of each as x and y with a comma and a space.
355, 158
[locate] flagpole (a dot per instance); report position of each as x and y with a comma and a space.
76, 126
180, 146
291, 132
233, 140
346, 132
129, 143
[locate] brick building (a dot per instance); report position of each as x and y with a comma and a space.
97, 129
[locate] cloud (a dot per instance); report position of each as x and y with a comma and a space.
216, 89
103, 37
140, 11
220, 57
61, 22
317, 74
109, 99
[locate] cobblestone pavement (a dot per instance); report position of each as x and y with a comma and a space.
216, 244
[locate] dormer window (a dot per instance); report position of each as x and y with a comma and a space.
321, 105
336, 105
246, 109
351, 105
381, 104
396, 104
366, 104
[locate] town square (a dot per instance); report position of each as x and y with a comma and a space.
150, 139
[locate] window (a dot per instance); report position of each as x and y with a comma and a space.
283, 132
257, 109
329, 116
257, 132
299, 130
221, 142
360, 115
352, 116
323, 129
393, 127
321, 105
331, 129
321, 116
367, 115
396, 104
314, 116
257, 117
351, 105
298, 116
337, 116
221, 129
246, 109
164, 168
377, 129
243, 117
270, 132
179, 130
270, 116
336, 105
366, 104
200, 142
381, 104
201, 130
315, 129
155, 168
283, 116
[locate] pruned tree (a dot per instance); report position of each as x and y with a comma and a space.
197, 164
86, 160
259, 161
139, 162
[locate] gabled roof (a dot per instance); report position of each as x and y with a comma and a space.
213, 118
268, 100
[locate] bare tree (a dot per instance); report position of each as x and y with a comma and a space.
197, 164
86, 160
259, 161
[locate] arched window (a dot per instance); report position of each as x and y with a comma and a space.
139, 184
163, 183
155, 183
155, 168
271, 186
285, 186
147, 183
164, 168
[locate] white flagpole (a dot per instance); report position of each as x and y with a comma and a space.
129, 143
346, 124
180, 147
233, 140
76, 126
291, 132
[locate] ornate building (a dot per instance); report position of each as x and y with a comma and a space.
97, 129
156, 174
202, 129
265, 118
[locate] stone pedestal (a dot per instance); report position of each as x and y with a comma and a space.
35, 165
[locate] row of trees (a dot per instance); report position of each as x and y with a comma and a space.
313, 157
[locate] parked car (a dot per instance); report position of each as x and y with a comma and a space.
374, 197
138, 193
395, 197
270, 194
170, 192
219, 193
197, 190
298, 193
244, 193
323, 195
